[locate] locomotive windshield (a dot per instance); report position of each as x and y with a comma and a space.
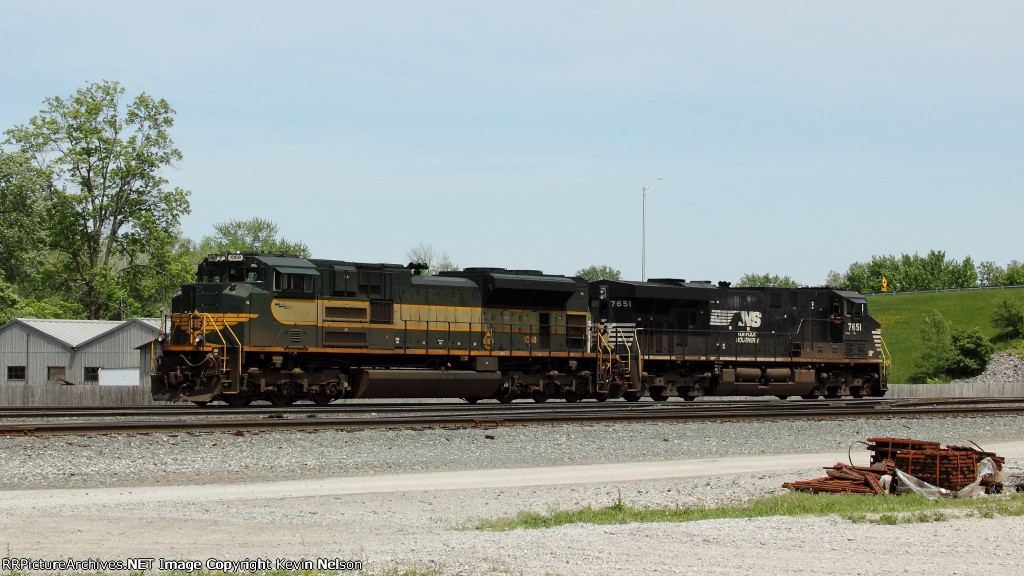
230, 268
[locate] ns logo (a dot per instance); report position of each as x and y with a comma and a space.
750, 319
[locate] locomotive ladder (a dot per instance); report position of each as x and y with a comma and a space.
606, 359
209, 324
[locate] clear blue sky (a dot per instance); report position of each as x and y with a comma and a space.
791, 137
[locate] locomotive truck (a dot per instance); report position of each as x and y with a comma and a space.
283, 328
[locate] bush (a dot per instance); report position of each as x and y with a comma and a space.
971, 353
1008, 318
951, 352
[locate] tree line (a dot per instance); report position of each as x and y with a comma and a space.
909, 273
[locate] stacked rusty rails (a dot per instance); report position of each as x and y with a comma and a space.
846, 479
952, 468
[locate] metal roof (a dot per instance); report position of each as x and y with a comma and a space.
75, 333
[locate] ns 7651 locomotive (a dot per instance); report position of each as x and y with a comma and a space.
283, 328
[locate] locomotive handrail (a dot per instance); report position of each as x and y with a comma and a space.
639, 358
207, 320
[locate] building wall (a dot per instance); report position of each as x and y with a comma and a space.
118, 349
22, 346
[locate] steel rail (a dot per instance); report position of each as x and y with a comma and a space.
529, 415
177, 410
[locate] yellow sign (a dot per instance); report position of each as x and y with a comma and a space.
885, 284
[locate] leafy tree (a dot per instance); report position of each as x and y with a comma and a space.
767, 281
937, 346
1014, 275
13, 305
595, 273
22, 209
1008, 318
834, 279
989, 273
425, 254
108, 201
252, 235
151, 282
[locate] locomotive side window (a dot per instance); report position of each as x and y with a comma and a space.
285, 282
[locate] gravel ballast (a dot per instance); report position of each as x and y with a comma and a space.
427, 526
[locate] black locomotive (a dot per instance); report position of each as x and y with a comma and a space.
692, 339
283, 328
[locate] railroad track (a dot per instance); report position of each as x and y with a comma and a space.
156, 419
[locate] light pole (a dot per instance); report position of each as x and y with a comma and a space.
643, 234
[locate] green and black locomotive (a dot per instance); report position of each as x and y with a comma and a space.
283, 328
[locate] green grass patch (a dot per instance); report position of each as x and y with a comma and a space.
886, 509
901, 318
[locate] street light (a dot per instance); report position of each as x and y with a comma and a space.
643, 237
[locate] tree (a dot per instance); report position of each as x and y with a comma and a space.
252, 235
22, 211
767, 281
108, 201
1008, 318
1014, 275
938, 348
595, 273
149, 284
434, 262
989, 274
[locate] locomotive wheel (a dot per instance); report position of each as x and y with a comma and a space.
321, 398
472, 400
279, 399
782, 397
200, 402
238, 399
631, 396
540, 397
689, 397
506, 397
601, 396
572, 396
810, 396
658, 395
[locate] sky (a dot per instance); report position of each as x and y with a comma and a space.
791, 138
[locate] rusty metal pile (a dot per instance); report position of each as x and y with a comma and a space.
844, 479
896, 461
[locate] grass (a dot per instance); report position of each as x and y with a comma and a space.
885, 509
901, 317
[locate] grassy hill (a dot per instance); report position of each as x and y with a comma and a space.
901, 318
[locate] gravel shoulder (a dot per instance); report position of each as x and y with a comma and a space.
404, 498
